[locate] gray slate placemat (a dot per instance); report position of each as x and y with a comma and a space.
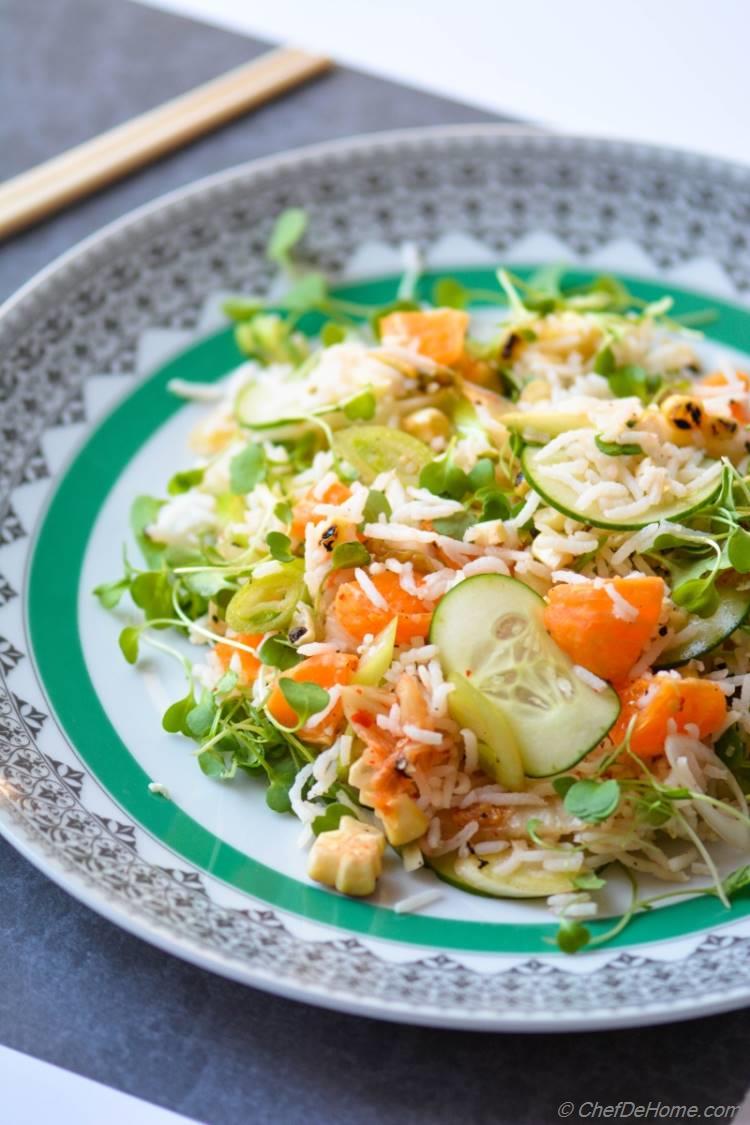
81, 993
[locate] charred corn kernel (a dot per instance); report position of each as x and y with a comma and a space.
537, 390
350, 858
687, 418
213, 434
427, 424
403, 820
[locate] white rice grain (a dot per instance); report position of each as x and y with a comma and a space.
595, 682
369, 589
622, 607
418, 734
416, 902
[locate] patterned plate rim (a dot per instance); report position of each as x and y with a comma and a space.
31, 844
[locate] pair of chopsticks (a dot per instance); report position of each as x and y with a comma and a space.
48, 187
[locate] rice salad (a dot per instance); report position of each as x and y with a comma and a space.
478, 599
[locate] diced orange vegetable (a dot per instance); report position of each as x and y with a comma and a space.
355, 612
304, 509
325, 670
437, 333
719, 379
250, 664
582, 620
476, 370
688, 701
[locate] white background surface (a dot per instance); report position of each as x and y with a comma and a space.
35, 1093
667, 71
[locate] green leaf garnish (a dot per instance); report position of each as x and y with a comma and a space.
151, 591
455, 527
697, 595
375, 506
128, 642
287, 231
241, 308
278, 653
495, 504
449, 293
444, 478
207, 584
247, 468
283, 511
332, 333
348, 554
588, 881
653, 809
174, 719
281, 779
227, 682
738, 550
310, 292
561, 785
331, 818
592, 801
604, 363
616, 448
634, 380
277, 797
143, 513
736, 881
271, 339
482, 475
110, 593
734, 752
304, 698
199, 719
212, 763
279, 546
184, 481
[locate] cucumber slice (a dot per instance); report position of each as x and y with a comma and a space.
262, 405
498, 750
705, 633
372, 450
563, 498
475, 875
490, 629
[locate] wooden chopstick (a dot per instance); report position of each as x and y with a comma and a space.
50, 186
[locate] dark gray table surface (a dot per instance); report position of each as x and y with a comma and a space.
77, 991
